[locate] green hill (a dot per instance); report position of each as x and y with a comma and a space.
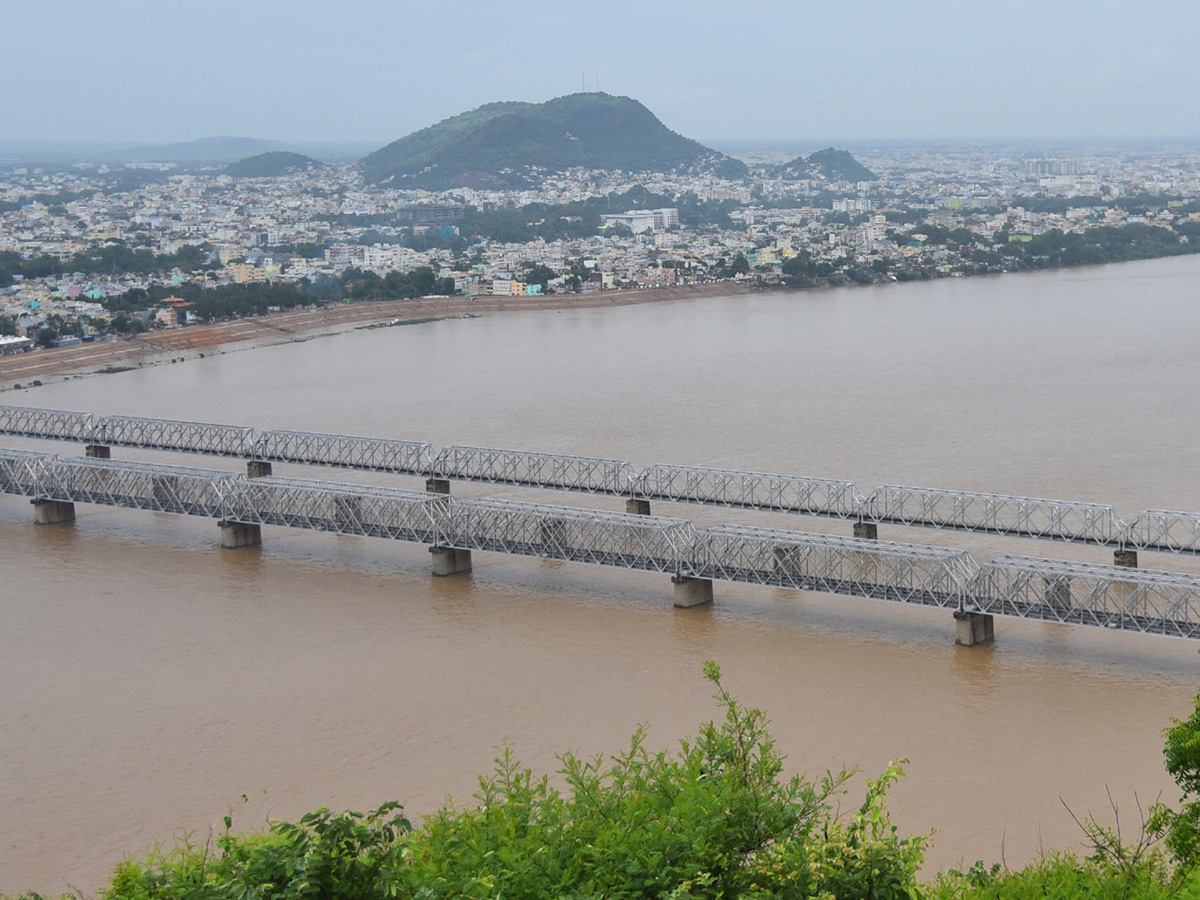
831, 164
510, 144
269, 165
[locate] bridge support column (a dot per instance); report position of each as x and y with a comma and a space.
868, 530
691, 592
437, 485
448, 561
257, 468
973, 628
1125, 558
239, 534
97, 451
637, 507
51, 512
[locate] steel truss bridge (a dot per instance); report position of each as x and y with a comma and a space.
1061, 520
1113, 597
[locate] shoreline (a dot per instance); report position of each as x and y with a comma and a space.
193, 341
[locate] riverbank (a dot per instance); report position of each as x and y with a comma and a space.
20, 370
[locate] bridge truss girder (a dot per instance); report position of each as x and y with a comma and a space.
583, 474
1160, 529
1062, 520
343, 451
55, 424
648, 543
336, 508
148, 486
747, 490
1141, 600
170, 434
906, 573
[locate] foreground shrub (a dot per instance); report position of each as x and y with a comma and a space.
713, 819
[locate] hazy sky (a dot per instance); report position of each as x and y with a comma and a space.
356, 70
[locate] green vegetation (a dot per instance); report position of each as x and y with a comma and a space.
713, 819
271, 165
504, 144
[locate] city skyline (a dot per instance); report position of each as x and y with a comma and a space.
765, 70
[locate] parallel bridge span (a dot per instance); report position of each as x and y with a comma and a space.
1059, 520
1111, 597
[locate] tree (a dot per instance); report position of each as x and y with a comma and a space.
7, 326
740, 265
1181, 829
540, 274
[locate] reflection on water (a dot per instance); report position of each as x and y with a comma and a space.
148, 679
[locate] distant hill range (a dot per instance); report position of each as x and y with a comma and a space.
509, 144
831, 164
270, 165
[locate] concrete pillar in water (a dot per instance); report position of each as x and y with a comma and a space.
448, 561
97, 451
1125, 558
437, 485
637, 507
973, 628
51, 512
239, 534
868, 530
257, 468
691, 592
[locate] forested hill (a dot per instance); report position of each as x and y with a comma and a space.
269, 165
831, 164
509, 144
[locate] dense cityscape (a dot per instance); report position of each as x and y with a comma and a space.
88, 250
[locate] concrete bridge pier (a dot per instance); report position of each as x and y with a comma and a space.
867, 530
239, 534
449, 561
1125, 558
691, 592
437, 485
257, 468
97, 451
973, 628
635, 506
51, 512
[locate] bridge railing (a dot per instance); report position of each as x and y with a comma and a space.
56, 424
170, 434
994, 513
649, 543
1143, 600
576, 473
344, 451
747, 490
338, 508
907, 573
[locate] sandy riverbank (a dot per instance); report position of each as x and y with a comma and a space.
193, 340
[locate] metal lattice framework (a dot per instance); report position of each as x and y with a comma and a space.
45, 423
907, 573
1139, 600
169, 489
337, 508
1142, 600
649, 543
1160, 529
343, 451
747, 490
1061, 520
575, 473
169, 434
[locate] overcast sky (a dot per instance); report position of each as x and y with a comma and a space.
374, 70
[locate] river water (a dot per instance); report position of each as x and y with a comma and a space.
149, 680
